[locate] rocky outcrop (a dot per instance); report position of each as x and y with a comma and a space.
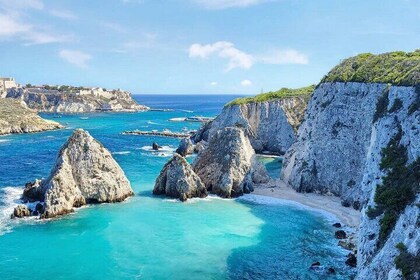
177, 179
84, 173
69, 102
224, 164
339, 150
15, 117
21, 211
270, 125
185, 147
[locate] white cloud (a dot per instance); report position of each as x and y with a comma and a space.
223, 4
13, 28
246, 83
240, 59
77, 58
213, 84
287, 56
21, 4
64, 14
113, 26
236, 58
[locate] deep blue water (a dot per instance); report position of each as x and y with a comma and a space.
150, 237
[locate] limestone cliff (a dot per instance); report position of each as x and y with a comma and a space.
360, 140
63, 102
84, 173
225, 162
177, 179
15, 117
270, 123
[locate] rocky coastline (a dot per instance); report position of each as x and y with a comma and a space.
15, 117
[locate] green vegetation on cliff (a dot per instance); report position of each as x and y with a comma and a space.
397, 68
398, 189
409, 264
304, 92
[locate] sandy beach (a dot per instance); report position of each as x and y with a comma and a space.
331, 204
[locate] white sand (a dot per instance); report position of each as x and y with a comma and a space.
331, 204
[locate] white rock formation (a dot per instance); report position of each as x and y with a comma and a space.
269, 125
332, 142
224, 163
338, 151
177, 179
84, 173
54, 101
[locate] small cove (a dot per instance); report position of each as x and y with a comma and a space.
153, 237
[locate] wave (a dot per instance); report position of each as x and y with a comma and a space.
266, 200
10, 198
121, 153
4, 140
164, 151
186, 111
155, 123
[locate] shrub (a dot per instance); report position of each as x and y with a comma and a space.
406, 262
304, 92
398, 189
397, 68
381, 105
396, 106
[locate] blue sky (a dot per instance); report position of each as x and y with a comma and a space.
196, 46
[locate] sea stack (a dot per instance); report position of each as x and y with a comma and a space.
84, 173
224, 164
177, 179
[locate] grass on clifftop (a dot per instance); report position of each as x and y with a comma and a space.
397, 68
304, 92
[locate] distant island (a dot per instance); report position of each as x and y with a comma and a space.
69, 99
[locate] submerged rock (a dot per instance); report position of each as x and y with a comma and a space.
21, 211
155, 146
223, 165
351, 260
340, 234
185, 147
177, 179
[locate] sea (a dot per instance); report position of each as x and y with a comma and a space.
152, 237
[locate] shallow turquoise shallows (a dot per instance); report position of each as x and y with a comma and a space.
149, 237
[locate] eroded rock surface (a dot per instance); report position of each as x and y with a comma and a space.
177, 179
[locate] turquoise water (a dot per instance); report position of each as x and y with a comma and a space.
150, 237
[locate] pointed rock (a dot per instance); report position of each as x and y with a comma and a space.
177, 179
223, 165
185, 147
84, 173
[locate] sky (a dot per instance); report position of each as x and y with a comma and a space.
196, 46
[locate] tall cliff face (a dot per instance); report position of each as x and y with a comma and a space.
55, 101
377, 246
332, 143
270, 125
340, 150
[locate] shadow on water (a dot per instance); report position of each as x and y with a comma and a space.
290, 240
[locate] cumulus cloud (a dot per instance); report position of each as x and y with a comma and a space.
223, 4
246, 83
236, 58
240, 59
74, 57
